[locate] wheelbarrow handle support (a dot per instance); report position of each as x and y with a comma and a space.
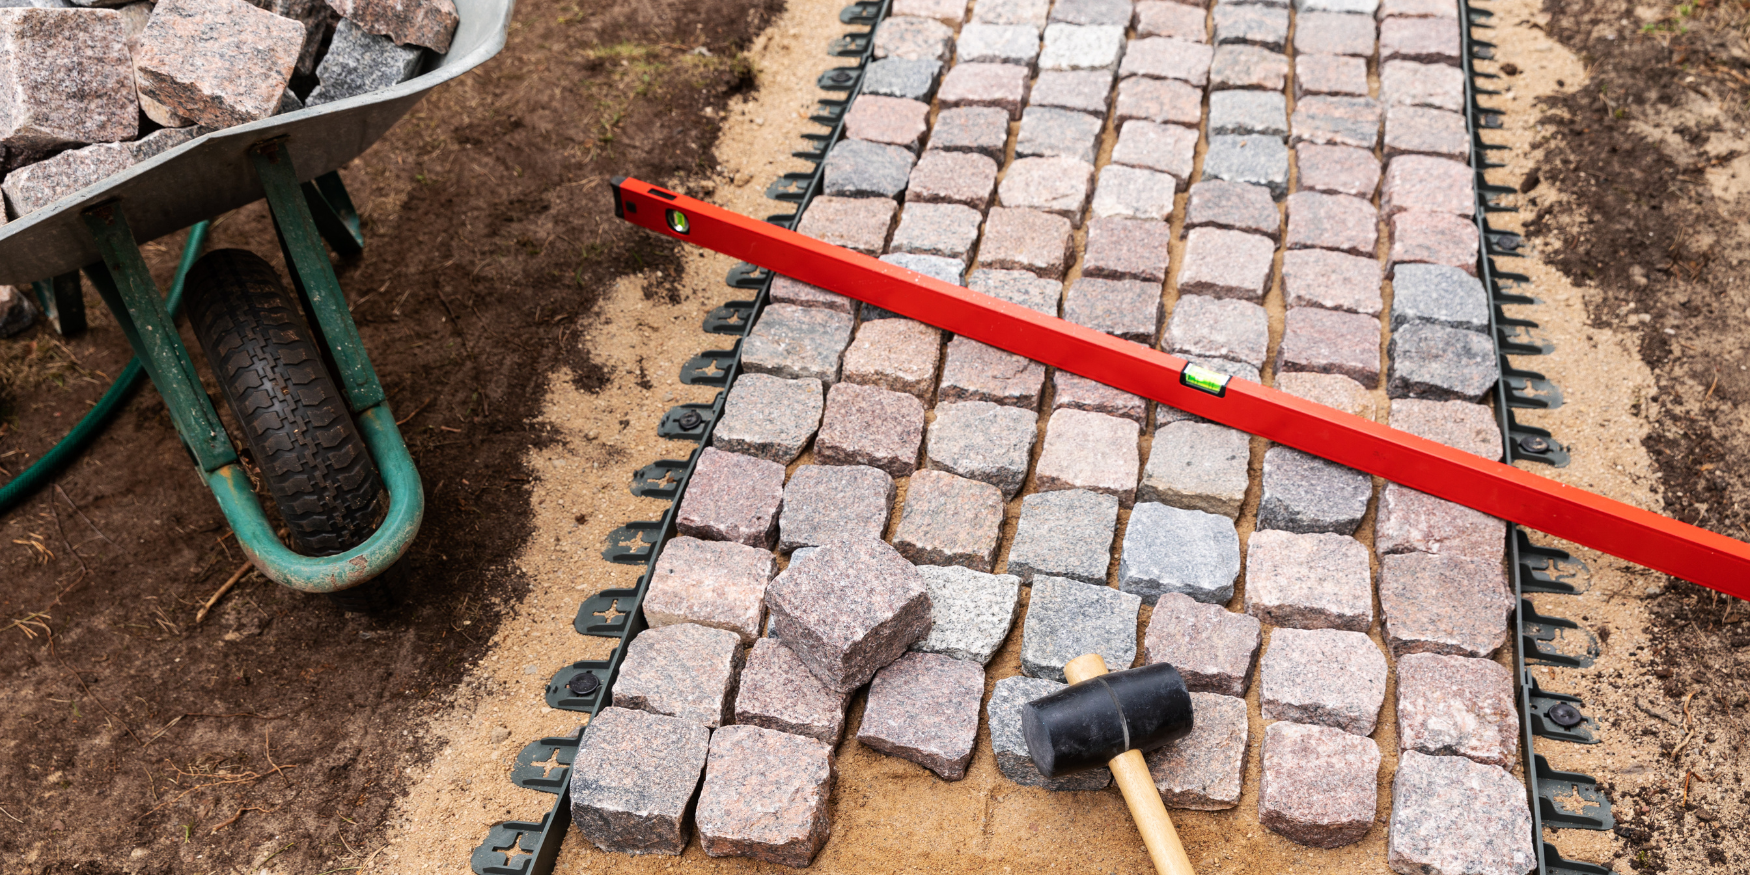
127, 287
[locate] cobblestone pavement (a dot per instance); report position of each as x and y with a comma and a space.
1276, 193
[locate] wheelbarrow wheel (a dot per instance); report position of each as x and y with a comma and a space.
269, 368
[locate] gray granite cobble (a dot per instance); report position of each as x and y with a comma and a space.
1172, 549
945, 230
1244, 111
785, 290
869, 425
999, 86
894, 121
1324, 677
1197, 466
1213, 648
1169, 149
217, 63
732, 497
918, 39
1428, 40
1080, 393
1093, 451
1250, 158
1334, 33
997, 44
797, 342
1088, 91
847, 609
1309, 581
766, 796
1345, 170
981, 129
1304, 493
1218, 328
1048, 132
1121, 248
1242, 66
1319, 785
1331, 390
971, 611
1179, 20
1416, 522
1252, 24
1332, 221
1457, 706
1330, 342
974, 371
1159, 100
1451, 816
1220, 263
49, 53
862, 169
1205, 769
983, 441
1434, 238
950, 520
1438, 295
632, 780
824, 503
1160, 57
1448, 364
911, 79
1082, 47
1416, 130
1418, 9
1123, 308
949, 12
1025, 239
778, 692
1018, 287
924, 708
358, 62
1332, 281
949, 270
1352, 7
1067, 618
1134, 193
684, 670
1113, 13
896, 354
1443, 604
1330, 74
856, 223
1410, 83
965, 178
1031, 12
1064, 533
769, 417
1336, 121
1234, 206
1457, 424
1424, 182
1057, 185
710, 583
1003, 717
44, 182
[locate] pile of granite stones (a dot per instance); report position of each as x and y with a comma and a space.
87, 92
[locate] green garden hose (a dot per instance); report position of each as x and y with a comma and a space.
51, 462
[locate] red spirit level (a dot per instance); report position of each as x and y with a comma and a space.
1494, 488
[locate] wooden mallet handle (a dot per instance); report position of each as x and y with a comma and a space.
1131, 773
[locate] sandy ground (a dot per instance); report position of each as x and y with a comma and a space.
890, 814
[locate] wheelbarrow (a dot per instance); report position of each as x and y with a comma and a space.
293, 369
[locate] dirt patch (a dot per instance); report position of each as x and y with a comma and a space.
278, 732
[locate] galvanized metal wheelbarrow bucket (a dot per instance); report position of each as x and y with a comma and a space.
290, 160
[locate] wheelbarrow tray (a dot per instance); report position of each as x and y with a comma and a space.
212, 174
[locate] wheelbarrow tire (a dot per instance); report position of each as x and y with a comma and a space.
307, 449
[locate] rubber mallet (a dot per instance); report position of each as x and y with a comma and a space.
1112, 720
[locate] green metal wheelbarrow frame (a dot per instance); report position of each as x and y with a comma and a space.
304, 216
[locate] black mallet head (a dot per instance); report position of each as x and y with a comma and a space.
1085, 725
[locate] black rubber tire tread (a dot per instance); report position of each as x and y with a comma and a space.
294, 419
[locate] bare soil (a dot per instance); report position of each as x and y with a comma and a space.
277, 732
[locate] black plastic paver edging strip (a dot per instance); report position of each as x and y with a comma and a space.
1533, 569
532, 847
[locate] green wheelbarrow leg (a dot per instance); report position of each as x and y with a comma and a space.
63, 303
